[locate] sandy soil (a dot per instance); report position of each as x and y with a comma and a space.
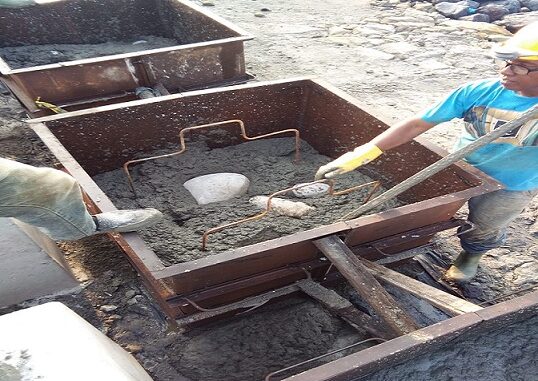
395, 59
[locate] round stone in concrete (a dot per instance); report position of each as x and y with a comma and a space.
217, 187
282, 206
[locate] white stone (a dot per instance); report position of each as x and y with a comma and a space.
337, 31
217, 187
373, 53
282, 206
399, 48
433, 65
307, 190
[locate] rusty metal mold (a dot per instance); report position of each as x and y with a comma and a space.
208, 51
89, 142
359, 365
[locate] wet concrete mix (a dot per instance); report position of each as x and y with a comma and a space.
18, 57
268, 164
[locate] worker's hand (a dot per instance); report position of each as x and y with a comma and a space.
349, 161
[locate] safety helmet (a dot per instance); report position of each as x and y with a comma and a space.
523, 45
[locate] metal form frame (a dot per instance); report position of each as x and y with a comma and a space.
215, 59
230, 276
244, 278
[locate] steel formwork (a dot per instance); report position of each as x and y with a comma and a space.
209, 51
322, 114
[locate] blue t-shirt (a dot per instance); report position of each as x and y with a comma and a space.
485, 105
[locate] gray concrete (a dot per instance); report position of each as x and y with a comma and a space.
27, 269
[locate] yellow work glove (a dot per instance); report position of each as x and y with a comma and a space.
349, 161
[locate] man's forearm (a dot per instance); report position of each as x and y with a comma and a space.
401, 133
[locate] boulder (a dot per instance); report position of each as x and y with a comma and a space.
531, 4
515, 22
452, 10
477, 17
494, 11
217, 187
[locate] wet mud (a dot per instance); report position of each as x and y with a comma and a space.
270, 167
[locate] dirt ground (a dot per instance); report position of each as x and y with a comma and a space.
398, 60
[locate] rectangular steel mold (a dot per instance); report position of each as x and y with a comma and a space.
209, 50
89, 142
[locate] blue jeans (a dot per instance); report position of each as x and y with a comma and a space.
491, 213
47, 198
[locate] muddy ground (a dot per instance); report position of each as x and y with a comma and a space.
393, 57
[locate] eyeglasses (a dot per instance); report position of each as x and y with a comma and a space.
516, 69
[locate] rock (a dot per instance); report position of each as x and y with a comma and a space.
515, 22
259, 14
494, 11
108, 308
217, 187
311, 190
426, 7
531, 4
337, 31
433, 65
435, 2
133, 348
373, 54
512, 6
129, 294
479, 27
477, 17
282, 206
452, 10
208, 3
471, 4
265, 10
379, 27
399, 48
132, 301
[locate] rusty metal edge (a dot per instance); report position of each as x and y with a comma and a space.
95, 110
396, 351
334, 228
159, 271
146, 260
242, 36
141, 53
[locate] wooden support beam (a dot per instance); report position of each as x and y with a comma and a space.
391, 315
450, 304
343, 308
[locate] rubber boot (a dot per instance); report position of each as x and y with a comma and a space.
126, 220
464, 268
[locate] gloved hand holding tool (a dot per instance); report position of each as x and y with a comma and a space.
349, 161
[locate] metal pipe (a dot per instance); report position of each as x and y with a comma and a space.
272, 374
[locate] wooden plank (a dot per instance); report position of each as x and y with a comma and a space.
391, 315
450, 304
343, 308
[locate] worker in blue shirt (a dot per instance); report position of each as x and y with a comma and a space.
512, 159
